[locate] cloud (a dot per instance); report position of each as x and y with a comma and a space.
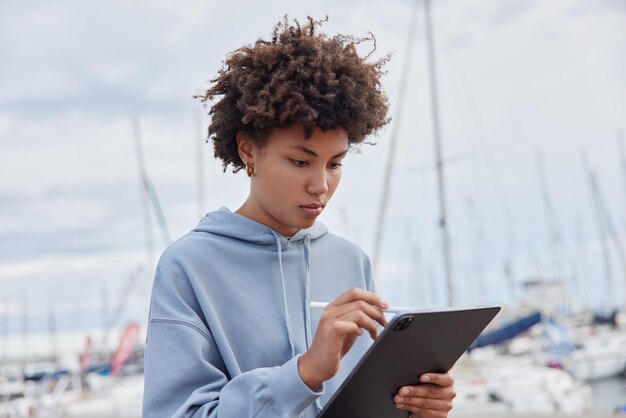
513, 77
98, 57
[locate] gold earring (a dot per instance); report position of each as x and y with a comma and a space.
250, 169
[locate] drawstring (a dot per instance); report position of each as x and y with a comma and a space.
282, 277
307, 303
307, 300
307, 297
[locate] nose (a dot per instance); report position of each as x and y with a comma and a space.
318, 183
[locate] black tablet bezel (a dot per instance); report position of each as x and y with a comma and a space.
442, 335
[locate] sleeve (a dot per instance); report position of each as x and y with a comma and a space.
185, 375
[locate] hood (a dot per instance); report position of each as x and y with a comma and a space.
226, 223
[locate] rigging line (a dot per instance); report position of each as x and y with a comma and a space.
610, 226
418, 270
393, 141
25, 327
443, 223
151, 193
4, 317
622, 155
485, 144
579, 259
145, 204
131, 280
492, 169
447, 162
553, 228
608, 270
158, 209
534, 258
407, 295
52, 329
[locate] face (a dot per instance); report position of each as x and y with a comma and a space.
294, 178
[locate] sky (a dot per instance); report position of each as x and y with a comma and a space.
518, 82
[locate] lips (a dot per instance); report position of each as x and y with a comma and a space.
313, 209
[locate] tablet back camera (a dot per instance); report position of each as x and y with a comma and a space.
403, 323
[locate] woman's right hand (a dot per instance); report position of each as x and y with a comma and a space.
343, 320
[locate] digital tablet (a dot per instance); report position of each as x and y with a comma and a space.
413, 343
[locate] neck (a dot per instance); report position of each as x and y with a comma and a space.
252, 210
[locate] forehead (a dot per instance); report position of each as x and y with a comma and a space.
331, 141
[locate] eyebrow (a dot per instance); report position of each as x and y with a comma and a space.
313, 153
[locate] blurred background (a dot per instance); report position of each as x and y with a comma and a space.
521, 104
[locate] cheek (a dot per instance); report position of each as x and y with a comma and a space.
333, 181
277, 181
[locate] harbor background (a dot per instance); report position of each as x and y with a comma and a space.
95, 104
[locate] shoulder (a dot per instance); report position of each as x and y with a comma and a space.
178, 260
339, 257
339, 250
173, 290
336, 243
192, 247
179, 249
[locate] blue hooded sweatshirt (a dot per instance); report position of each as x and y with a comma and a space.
229, 317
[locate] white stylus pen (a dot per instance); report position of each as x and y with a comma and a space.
391, 309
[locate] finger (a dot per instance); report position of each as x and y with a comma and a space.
344, 328
417, 412
362, 321
359, 294
337, 336
428, 391
424, 403
370, 310
439, 379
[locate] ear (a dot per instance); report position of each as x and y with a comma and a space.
245, 148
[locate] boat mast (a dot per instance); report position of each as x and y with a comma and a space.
597, 206
443, 225
143, 185
581, 263
25, 351
622, 154
622, 158
151, 199
52, 328
616, 240
105, 315
553, 229
554, 232
4, 316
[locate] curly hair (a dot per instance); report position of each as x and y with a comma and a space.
297, 77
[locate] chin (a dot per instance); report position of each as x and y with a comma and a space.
306, 223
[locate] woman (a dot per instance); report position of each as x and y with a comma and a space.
230, 332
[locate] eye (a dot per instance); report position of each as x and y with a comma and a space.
298, 163
335, 166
